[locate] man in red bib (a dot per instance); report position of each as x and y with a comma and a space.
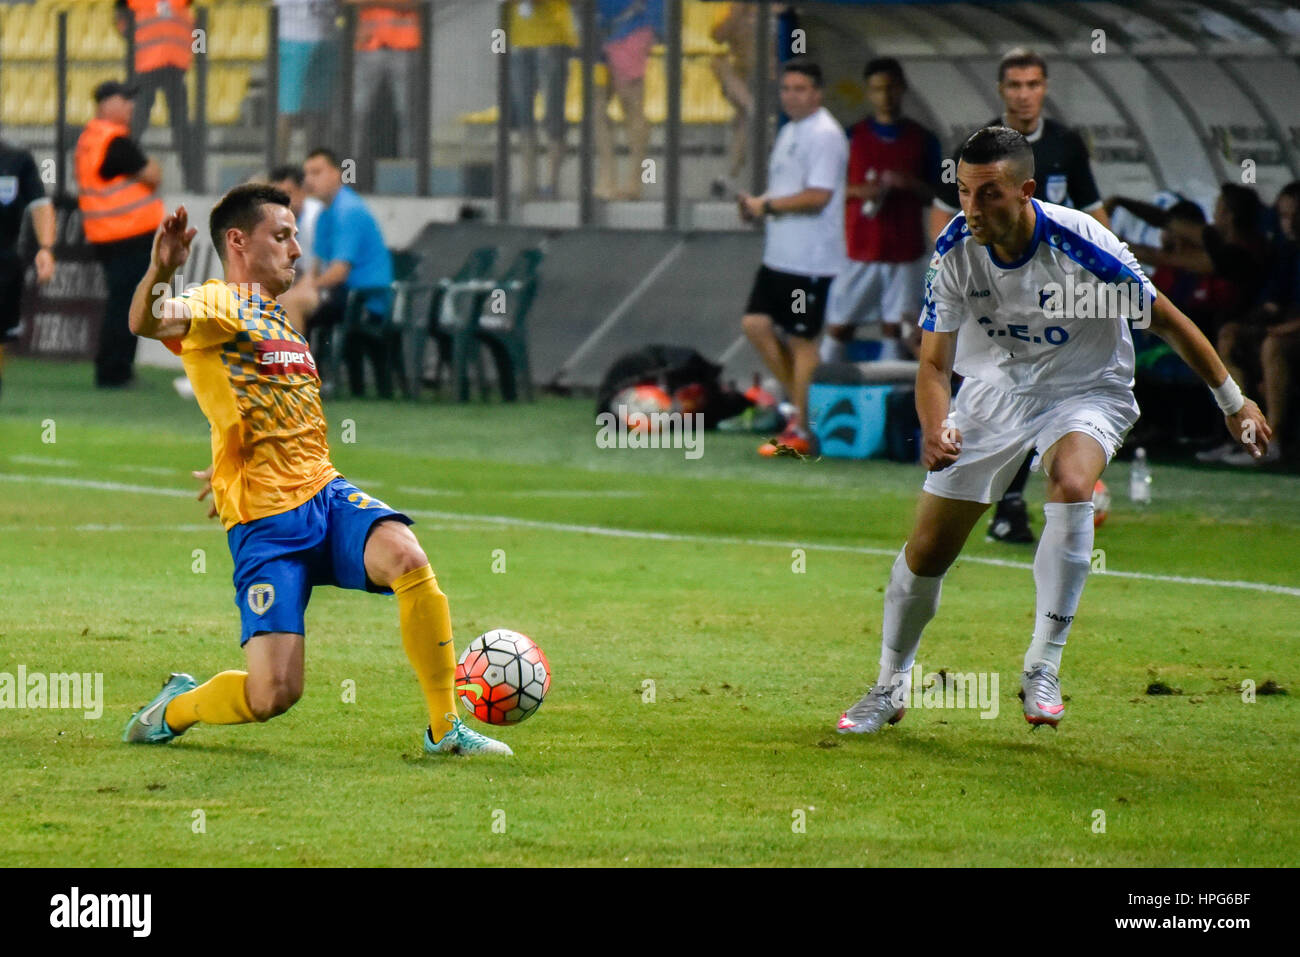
894, 166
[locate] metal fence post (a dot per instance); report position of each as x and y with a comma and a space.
198, 150
673, 121
587, 142
502, 179
762, 98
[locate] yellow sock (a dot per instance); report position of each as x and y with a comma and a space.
426, 636
219, 700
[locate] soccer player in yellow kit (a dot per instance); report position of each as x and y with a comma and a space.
292, 521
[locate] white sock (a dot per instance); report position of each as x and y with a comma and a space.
831, 349
1061, 567
889, 349
910, 602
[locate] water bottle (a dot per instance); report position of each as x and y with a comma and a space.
1139, 479
871, 206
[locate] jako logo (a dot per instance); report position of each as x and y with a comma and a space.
102, 910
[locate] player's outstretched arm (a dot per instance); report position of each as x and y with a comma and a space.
940, 442
152, 315
1245, 421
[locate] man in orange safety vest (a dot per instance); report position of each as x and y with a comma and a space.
164, 50
117, 195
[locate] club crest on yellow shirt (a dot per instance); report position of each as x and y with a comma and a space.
261, 597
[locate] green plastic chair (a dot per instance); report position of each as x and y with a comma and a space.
503, 326
452, 318
391, 331
385, 331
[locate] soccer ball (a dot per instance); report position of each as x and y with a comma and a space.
502, 677
638, 403
1100, 503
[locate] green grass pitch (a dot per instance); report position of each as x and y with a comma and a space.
628, 567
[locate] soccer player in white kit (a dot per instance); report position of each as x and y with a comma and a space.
1044, 372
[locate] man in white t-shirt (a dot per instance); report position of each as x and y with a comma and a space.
803, 213
1030, 302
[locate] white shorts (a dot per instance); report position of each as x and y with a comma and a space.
876, 292
999, 429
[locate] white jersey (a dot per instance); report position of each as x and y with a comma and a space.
305, 21
311, 210
1050, 324
812, 153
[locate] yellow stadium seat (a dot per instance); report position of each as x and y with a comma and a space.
256, 26
8, 31
702, 99
697, 27
38, 37
223, 32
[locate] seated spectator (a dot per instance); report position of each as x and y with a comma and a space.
1232, 251
350, 254
1263, 345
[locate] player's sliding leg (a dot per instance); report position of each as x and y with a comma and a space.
394, 559
911, 600
149, 725
270, 687
1072, 465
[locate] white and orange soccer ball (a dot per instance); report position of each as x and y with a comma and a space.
1100, 503
502, 677
638, 403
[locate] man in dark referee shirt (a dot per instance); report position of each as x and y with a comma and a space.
21, 189
1063, 175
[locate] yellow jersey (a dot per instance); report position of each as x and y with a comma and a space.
542, 23
257, 384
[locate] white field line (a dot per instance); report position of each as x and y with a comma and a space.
527, 492
43, 460
509, 521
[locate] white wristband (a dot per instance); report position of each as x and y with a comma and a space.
1229, 397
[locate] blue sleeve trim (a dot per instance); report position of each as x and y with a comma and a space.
1103, 264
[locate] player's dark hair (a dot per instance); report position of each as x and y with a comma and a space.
884, 64
807, 67
241, 209
1244, 207
995, 143
287, 171
1019, 57
1186, 211
328, 153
